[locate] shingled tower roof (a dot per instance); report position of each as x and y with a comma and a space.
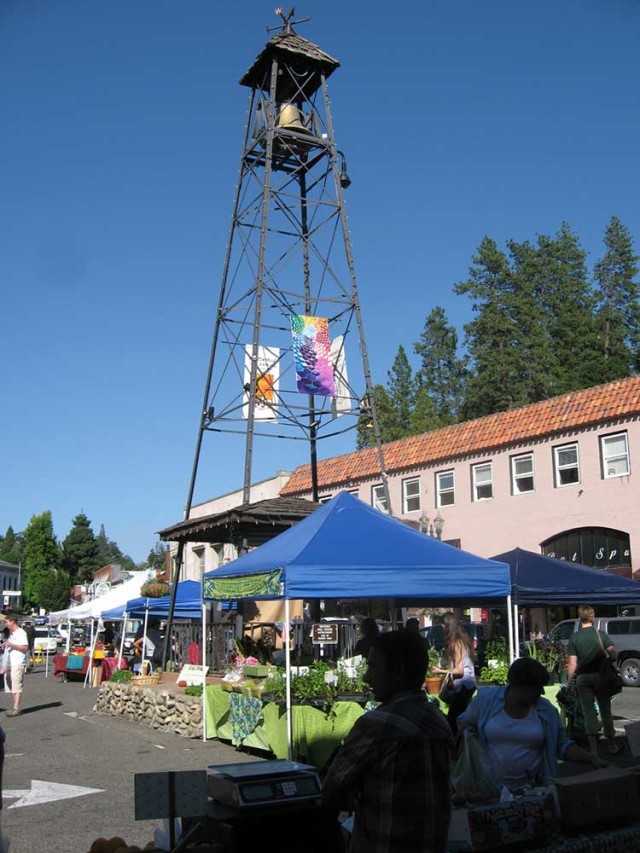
292, 49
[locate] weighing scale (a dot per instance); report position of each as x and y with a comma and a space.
263, 784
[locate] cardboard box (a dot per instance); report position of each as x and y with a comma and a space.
599, 796
493, 825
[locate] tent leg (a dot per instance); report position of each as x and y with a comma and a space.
287, 663
512, 653
204, 669
516, 638
124, 631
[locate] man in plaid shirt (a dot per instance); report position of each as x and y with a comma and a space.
393, 768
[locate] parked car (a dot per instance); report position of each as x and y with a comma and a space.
625, 633
45, 640
480, 633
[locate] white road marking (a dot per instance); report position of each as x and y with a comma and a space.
46, 792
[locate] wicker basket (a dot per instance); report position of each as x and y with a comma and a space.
144, 680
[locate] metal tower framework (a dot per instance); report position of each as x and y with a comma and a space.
289, 253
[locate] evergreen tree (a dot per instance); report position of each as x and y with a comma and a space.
385, 415
42, 558
54, 590
495, 379
618, 311
158, 557
81, 550
401, 395
440, 376
11, 547
424, 416
566, 301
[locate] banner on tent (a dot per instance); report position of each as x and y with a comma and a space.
244, 586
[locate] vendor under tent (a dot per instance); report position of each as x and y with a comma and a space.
348, 549
537, 580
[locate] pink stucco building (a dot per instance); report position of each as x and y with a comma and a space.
561, 477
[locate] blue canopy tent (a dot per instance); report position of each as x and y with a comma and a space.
347, 549
542, 581
188, 604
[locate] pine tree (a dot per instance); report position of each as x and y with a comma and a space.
401, 395
566, 301
11, 547
495, 379
440, 377
385, 415
81, 550
42, 558
618, 311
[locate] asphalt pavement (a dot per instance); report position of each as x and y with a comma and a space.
58, 748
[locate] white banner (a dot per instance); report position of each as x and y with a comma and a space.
267, 383
341, 402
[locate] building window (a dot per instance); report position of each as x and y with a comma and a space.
522, 474
614, 451
445, 488
379, 499
199, 555
482, 481
323, 499
411, 495
567, 464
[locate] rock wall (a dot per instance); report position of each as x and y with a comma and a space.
156, 708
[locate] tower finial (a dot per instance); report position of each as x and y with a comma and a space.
287, 26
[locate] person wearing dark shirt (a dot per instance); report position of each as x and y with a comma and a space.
587, 648
369, 632
394, 765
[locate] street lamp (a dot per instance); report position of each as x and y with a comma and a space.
438, 523
431, 528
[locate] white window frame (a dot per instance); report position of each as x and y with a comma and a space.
558, 468
606, 459
516, 477
442, 494
411, 499
378, 498
477, 485
323, 499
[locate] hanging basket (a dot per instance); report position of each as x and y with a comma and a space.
154, 589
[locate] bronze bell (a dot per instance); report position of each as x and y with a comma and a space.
290, 118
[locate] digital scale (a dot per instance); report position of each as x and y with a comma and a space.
260, 784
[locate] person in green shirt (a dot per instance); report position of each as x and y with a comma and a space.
585, 656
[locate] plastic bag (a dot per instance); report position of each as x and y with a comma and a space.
471, 775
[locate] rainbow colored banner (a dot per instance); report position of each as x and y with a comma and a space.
312, 355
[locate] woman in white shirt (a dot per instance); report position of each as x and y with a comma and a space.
458, 657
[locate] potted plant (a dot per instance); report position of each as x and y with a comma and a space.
495, 672
433, 680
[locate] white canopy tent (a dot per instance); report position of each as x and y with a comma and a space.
116, 597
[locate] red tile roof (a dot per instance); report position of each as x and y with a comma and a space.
568, 413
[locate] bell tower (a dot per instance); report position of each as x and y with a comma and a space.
289, 359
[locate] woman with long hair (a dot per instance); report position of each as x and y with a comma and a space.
458, 658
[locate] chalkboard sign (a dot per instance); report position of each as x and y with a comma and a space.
324, 632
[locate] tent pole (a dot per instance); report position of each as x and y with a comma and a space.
516, 639
287, 663
204, 677
124, 631
89, 673
512, 654
144, 639
68, 646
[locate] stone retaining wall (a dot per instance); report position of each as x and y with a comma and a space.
152, 706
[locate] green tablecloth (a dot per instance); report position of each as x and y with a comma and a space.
315, 733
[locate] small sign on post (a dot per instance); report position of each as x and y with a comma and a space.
192, 674
324, 632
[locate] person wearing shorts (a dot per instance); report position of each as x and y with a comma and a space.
17, 645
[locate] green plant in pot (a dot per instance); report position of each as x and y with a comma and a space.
434, 660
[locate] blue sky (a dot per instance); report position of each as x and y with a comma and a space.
122, 126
